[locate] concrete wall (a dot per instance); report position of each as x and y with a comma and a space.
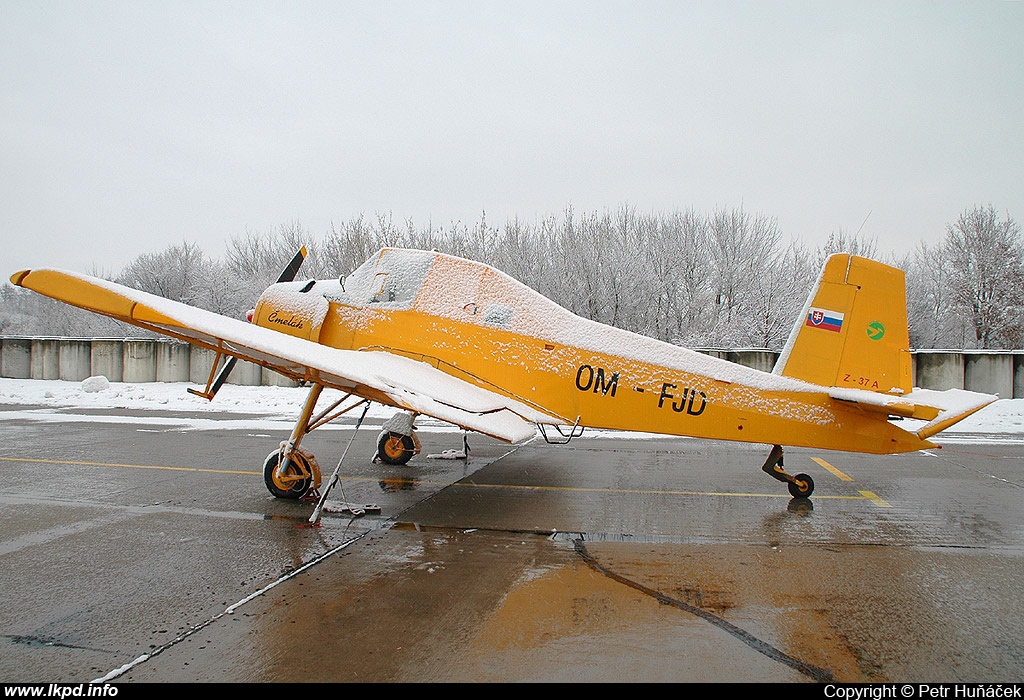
74, 360
989, 373
172, 362
107, 359
272, 378
246, 374
45, 360
121, 360
139, 361
763, 360
16, 358
200, 362
134, 360
938, 369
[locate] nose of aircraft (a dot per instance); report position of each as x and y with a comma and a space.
293, 308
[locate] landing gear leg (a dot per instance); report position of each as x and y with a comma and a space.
800, 486
397, 442
291, 472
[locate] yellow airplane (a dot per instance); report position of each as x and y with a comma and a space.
433, 334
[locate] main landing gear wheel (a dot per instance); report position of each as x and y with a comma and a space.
294, 480
804, 491
395, 448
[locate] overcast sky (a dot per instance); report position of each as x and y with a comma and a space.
127, 127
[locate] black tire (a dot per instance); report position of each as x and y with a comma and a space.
394, 448
289, 487
796, 492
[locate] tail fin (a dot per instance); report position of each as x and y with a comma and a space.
852, 332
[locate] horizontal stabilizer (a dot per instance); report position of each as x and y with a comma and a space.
939, 409
903, 406
954, 405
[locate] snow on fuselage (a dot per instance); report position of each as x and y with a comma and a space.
478, 324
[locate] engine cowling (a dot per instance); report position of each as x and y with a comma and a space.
293, 308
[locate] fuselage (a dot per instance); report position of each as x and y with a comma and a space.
478, 324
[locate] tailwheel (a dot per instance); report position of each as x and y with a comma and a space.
802, 486
294, 479
395, 448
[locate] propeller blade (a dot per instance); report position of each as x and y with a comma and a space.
222, 376
293, 267
214, 386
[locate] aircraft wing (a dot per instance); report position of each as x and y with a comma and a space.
379, 376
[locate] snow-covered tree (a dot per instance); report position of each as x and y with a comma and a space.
777, 297
722, 279
984, 261
841, 241
742, 254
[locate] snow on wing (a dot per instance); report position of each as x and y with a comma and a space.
407, 383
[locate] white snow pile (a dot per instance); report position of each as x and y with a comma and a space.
95, 384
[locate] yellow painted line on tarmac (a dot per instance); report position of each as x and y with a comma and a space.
874, 498
866, 495
863, 495
126, 466
828, 467
648, 492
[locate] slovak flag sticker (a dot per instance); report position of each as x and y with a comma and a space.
827, 320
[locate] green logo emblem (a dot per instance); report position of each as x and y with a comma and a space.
876, 330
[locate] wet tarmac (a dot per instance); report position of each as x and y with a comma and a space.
136, 549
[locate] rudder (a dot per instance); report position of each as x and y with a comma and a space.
852, 331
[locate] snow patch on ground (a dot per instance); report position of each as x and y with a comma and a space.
255, 401
264, 406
